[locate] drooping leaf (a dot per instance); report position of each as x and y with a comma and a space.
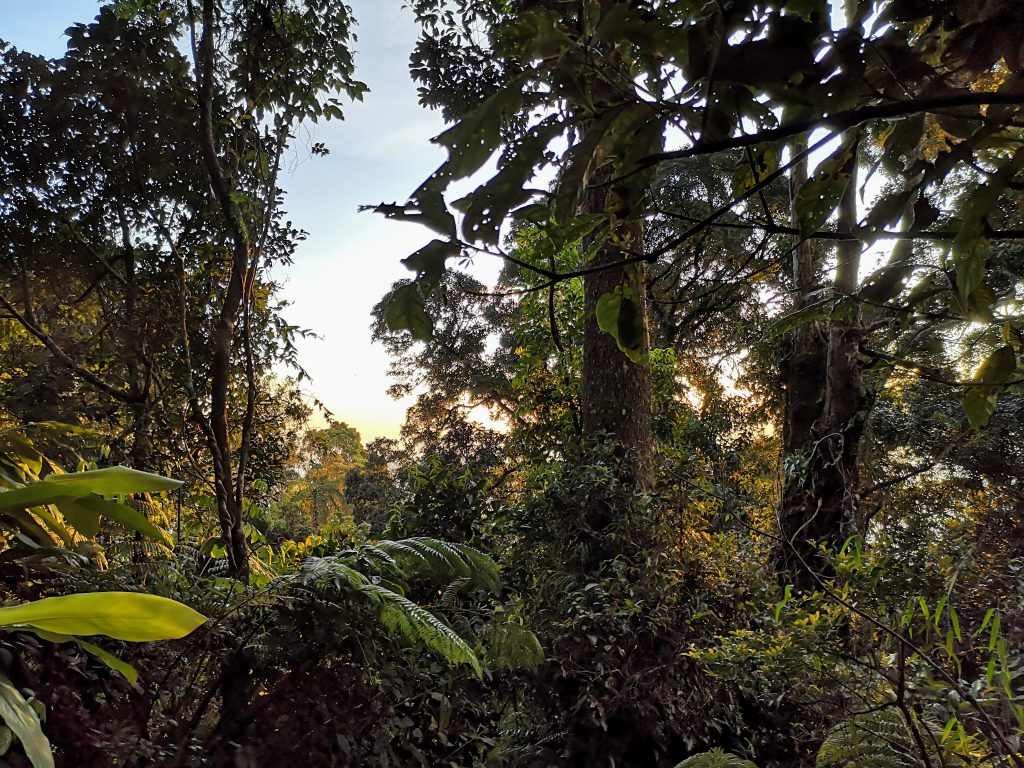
979, 405
619, 314
112, 661
88, 510
131, 616
998, 367
24, 722
406, 312
429, 261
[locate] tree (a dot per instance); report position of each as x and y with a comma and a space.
180, 203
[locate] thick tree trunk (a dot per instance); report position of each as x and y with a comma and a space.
616, 392
824, 418
616, 397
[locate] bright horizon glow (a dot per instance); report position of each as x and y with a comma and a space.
380, 153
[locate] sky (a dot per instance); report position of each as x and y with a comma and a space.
380, 153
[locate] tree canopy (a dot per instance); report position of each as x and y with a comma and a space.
722, 469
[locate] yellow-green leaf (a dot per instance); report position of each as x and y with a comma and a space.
128, 616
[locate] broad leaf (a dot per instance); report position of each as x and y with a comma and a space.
128, 616
406, 312
112, 481
619, 314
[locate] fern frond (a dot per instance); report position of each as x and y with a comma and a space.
401, 615
324, 572
511, 646
879, 739
451, 592
716, 758
484, 571
428, 558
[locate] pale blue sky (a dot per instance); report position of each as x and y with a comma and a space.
381, 152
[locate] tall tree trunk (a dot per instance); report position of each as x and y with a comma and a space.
824, 417
616, 392
229, 504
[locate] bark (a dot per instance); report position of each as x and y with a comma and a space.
229, 505
824, 416
616, 392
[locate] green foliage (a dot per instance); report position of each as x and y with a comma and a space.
879, 739
716, 758
24, 723
380, 574
122, 615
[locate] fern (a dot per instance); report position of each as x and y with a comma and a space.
422, 557
716, 758
379, 574
879, 739
511, 646
399, 614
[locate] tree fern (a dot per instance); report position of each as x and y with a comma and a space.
879, 739
401, 615
511, 646
716, 758
378, 574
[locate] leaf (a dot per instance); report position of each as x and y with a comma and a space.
112, 481
979, 405
998, 366
131, 616
619, 314
23, 720
787, 596
472, 140
400, 614
511, 646
112, 661
754, 169
429, 261
886, 283
406, 312
130, 518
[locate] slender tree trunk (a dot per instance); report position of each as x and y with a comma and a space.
229, 503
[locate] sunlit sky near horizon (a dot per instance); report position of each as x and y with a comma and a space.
381, 152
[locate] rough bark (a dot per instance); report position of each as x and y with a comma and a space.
824, 417
616, 392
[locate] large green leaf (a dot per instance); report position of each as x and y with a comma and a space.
87, 511
122, 615
22, 719
112, 481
